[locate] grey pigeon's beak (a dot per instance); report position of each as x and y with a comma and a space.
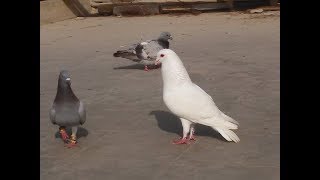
170, 38
157, 62
68, 80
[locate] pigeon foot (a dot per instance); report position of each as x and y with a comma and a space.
72, 142
181, 141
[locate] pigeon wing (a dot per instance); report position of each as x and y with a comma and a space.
82, 113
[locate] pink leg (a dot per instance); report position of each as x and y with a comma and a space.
146, 68
64, 134
191, 136
186, 128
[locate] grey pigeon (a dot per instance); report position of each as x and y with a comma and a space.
67, 110
146, 52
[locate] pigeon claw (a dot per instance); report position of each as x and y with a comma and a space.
146, 68
181, 141
71, 145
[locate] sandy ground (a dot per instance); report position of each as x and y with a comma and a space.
234, 57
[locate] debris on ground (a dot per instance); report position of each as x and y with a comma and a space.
253, 11
268, 13
80, 18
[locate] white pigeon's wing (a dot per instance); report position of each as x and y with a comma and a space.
224, 116
202, 91
192, 103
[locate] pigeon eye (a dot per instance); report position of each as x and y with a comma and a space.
161, 55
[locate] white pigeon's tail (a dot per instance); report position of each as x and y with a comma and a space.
225, 128
227, 118
228, 134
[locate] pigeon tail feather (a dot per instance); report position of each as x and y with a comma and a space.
229, 119
123, 53
228, 134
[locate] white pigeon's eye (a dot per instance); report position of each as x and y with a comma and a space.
161, 55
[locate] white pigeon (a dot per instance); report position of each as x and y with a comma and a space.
189, 102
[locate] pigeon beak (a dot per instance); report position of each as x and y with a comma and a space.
157, 62
68, 80
170, 38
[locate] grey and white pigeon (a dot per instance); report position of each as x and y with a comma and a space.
146, 52
189, 102
67, 110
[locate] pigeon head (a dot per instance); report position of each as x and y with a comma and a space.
164, 55
64, 78
64, 91
165, 36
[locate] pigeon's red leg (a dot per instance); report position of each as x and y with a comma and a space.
186, 128
181, 141
73, 140
146, 68
63, 134
191, 136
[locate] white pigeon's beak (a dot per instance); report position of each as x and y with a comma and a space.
157, 62
170, 38
68, 79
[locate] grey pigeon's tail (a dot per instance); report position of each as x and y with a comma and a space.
122, 53
127, 55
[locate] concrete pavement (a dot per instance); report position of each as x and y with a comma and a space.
234, 57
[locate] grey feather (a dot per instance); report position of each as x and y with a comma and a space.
151, 49
52, 115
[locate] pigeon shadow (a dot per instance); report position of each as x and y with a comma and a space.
172, 124
133, 66
82, 132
